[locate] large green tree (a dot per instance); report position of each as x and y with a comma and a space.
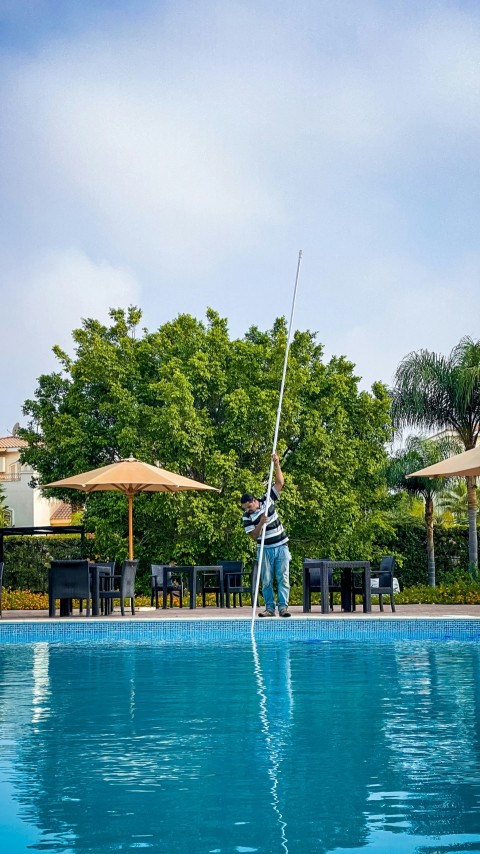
419, 453
195, 401
431, 392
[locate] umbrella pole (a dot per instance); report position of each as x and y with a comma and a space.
275, 437
130, 526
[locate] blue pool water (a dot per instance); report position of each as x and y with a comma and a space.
292, 747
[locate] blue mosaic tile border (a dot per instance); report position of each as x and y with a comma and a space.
382, 630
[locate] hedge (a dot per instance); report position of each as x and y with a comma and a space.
409, 544
27, 558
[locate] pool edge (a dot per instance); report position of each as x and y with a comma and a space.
157, 629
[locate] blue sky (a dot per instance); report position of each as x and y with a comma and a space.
177, 155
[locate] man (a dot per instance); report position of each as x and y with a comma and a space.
276, 554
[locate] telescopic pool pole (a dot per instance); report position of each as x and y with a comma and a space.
275, 437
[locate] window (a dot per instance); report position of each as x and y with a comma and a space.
8, 518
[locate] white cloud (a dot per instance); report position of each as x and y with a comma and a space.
44, 301
171, 146
412, 311
196, 147
66, 285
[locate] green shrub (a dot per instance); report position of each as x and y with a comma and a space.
409, 544
27, 558
461, 592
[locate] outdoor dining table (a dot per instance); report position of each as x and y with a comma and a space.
193, 573
347, 568
96, 572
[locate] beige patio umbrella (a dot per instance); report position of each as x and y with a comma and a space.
460, 465
130, 477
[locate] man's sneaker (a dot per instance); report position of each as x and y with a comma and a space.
284, 612
266, 613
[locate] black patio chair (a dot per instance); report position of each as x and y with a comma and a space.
106, 570
232, 580
313, 581
175, 586
1, 586
123, 587
385, 575
211, 581
67, 580
106, 575
384, 587
237, 583
232, 572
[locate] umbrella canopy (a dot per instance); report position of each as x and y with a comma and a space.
460, 465
130, 476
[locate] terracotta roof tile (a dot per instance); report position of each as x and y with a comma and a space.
63, 511
12, 442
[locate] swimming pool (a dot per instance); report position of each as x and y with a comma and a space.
292, 746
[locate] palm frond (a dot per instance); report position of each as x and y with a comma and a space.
418, 453
432, 391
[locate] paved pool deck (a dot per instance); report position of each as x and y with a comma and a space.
212, 613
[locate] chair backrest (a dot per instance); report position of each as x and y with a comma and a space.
156, 576
106, 564
385, 572
106, 567
387, 563
70, 579
211, 568
127, 580
313, 566
231, 565
234, 569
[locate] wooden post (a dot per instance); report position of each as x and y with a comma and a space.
130, 525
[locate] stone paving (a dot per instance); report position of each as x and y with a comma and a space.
213, 613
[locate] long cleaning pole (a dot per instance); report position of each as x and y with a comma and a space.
275, 437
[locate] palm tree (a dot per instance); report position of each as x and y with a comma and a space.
418, 453
454, 502
434, 392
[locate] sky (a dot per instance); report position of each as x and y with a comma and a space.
177, 154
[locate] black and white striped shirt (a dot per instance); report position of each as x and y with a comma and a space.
274, 533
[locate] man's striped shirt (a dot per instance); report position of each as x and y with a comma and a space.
274, 532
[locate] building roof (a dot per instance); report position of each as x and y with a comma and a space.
62, 512
12, 442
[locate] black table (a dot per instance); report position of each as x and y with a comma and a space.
193, 573
96, 572
347, 568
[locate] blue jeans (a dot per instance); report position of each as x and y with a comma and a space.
275, 564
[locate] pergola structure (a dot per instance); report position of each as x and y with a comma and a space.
39, 530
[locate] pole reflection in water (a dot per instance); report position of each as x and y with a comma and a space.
276, 713
41, 682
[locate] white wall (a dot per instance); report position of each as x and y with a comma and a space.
29, 507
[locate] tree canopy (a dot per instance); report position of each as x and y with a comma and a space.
191, 399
